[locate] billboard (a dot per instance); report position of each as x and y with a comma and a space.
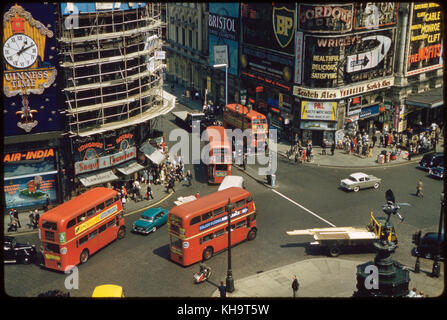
334, 61
29, 176
68, 8
375, 15
425, 42
313, 110
268, 25
30, 86
327, 18
223, 30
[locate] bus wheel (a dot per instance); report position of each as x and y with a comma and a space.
121, 233
251, 234
334, 251
207, 253
84, 256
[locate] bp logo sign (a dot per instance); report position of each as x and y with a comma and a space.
283, 25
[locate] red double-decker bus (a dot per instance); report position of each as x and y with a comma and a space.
76, 229
219, 165
241, 117
199, 228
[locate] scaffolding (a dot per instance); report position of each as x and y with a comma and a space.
112, 78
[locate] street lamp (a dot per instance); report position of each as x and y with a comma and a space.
217, 66
436, 271
229, 281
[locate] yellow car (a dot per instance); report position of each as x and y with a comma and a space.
108, 291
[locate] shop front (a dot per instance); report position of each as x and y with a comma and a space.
318, 121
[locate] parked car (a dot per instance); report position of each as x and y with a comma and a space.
359, 180
437, 172
14, 252
150, 220
431, 160
429, 244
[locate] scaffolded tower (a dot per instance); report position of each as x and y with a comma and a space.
113, 77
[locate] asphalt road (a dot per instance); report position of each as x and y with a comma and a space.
306, 197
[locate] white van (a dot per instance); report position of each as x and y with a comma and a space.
232, 181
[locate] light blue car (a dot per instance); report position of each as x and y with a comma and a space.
150, 220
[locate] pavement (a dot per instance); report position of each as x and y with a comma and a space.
318, 277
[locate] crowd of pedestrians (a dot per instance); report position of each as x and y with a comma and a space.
166, 174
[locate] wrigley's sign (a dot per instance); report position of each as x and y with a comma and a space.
340, 93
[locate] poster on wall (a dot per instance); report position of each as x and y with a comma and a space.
375, 15
29, 177
340, 60
325, 18
313, 110
223, 30
425, 41
29, 72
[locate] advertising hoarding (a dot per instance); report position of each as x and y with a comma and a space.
375, 15
341, 60
223, 30
325, 18
313, 110
30, 85
425, 42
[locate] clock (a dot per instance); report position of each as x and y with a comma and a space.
20, 51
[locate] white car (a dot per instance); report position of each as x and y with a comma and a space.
359, 180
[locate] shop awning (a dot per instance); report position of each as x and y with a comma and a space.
152, 153
427, 99
94, 178
129, 167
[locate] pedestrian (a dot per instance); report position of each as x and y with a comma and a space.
323, 146
295, 285
47, 202
16, 218
36, 219
332, 148
189, 177
197, 195
374, 140
170, 185
413, 293
13, 227
31, 218
419, 191
149, 192
244, 162
420, 295
11, 216
222, 290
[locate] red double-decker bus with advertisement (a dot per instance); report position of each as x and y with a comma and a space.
237, 116
199, 229
76, 229
220, 160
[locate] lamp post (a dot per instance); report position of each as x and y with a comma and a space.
436, 271
229, 281
217, 66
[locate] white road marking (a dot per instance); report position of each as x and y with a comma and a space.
305, 209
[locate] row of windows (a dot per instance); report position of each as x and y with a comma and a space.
91, 212
94, 233
218, 211
221, 232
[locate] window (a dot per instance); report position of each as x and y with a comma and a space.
109, 202
93, 234
49, 225
249, 199
219, 233
91, 212
100, 207
207, 238
110, 223
81, 217
194, 220
83, 240
219, 211
49, 235
240, 203
50, 247
102, 228
206, 216
240, 224
71, 223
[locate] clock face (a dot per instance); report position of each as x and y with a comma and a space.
20, 51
